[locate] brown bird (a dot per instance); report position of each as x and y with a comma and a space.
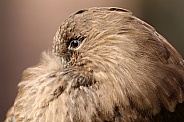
106, 66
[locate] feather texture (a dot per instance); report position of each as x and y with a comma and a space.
123, 71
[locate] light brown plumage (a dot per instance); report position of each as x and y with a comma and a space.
106, 66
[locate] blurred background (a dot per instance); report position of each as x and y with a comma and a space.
27, 28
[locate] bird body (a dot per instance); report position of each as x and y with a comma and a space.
106, 66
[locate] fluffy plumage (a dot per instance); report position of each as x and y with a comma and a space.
121, 70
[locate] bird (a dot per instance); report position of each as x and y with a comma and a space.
106, 65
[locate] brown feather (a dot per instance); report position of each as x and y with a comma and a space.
123, 71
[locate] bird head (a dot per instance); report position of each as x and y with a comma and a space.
112, 63
119, 51
89, 34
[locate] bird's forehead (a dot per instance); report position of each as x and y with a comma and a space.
84, 23
83, 20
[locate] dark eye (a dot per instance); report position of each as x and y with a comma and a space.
74, 44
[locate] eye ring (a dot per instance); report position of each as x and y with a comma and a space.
73, 44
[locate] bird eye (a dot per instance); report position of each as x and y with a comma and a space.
74, 44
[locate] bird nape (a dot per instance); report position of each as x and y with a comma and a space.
106, 66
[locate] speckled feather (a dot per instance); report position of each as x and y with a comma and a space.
123, 71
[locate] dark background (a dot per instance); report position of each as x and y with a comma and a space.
27, 28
